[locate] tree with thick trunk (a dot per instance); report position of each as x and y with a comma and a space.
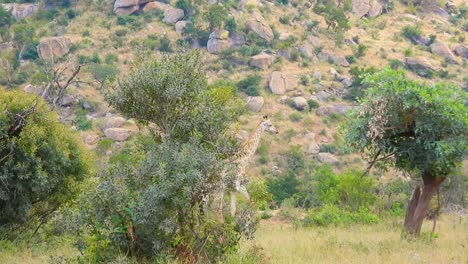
414, 127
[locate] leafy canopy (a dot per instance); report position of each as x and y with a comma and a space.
40, 160
172, 93
413, 126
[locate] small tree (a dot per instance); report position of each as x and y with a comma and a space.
40, 160
414, 127
216, 15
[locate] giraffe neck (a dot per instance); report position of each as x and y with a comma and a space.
251, 144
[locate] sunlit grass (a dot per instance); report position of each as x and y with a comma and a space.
380, 243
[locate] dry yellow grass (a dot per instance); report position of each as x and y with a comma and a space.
379, 243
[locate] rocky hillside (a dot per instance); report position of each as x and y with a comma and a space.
298, 61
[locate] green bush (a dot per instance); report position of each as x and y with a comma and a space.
313, 104
333, 215
41, 160
250, 84
411, 32
295, 117
82, 123
282, 187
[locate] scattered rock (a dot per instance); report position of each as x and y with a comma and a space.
158, 6
261, 61
317, 75
322, 96
118, 134
346, 81
312, 147
114, 122
371, 8
53, 47
442, 50
419, 65
255, 103
327, 158
281, 82
172, 15
218, 41
259, 26
236, 39
21, 11
336, 59
91, 139
125, 7
420, 40
300, 103
180, 26
335, 109
68, 101
461, 51
333, 72
307, 50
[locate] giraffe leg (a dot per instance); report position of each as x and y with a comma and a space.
243, 190
233, 203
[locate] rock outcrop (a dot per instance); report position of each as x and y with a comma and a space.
218, 41
461, 51
118, 134
281, 82
362, 8
21, 11
259, 26
172, 15
261, 61
300, 103
180, 26
255, 103
334, 109
419, 65
442, 50
125, 7
155, 6
53, 47
336, 59
327, 158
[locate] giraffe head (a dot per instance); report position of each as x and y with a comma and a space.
268, 126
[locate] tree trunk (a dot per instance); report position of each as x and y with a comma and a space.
418, 206
233, 203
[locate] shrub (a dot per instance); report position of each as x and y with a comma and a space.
250, 84
231, 25
165, 44
282, 187
295, 117
411, 32
333, 215
41, 160
82, 123
313, 104
295, 159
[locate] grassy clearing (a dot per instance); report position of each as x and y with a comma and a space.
380, 243
282, 243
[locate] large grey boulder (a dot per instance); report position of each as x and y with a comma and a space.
327, 158
259, 26
172, 15
255, 103
118, 134
419, 65
114, 121
218, 41
21, 11
53, 47
125, 7
180, 26
371, 8
91, 139
155, 6
281, 82
336, 59
442, 50
300, 103
461, 51
261, 61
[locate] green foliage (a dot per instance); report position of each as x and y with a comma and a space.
259, 194
313, 104
411, 32
358, 88
82, 123
333, 215
165, 44
282, 187
295, 159
295, 117
41, 161
250, 84
103, 72
230, 24
6, 18
173, 94
335, 16
216, 16
423, 127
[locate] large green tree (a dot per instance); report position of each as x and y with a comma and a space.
155, 197
41, 161
415, 127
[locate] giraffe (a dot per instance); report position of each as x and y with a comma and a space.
237, 165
